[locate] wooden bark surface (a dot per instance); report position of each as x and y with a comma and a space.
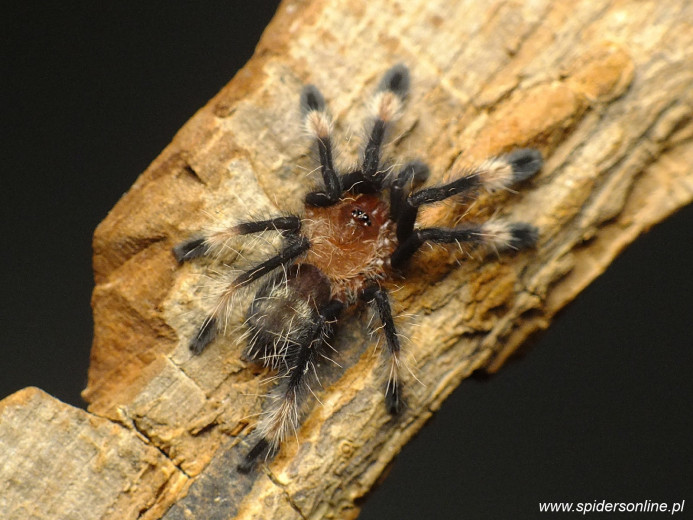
604, 89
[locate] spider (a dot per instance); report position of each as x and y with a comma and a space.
357, 233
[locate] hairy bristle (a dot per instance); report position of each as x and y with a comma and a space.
281, 418
204, 335
218, 241
501, 236
387, 106
496, 174
191, 248
393, 389
318, 124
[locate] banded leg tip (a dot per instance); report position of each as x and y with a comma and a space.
312, 100
204, 336
245, 467
523, 235
396, 80
393, 400
192, 248
525, 162
251, 457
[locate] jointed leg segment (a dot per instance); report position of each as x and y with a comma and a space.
208, 331
319, 124
381, 302
284, 411
497, 173
216, 242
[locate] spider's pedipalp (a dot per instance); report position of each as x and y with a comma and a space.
408, 209
412, 174
380, 300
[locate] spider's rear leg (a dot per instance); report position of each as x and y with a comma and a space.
493, 174
318, 124
298, 363
283, 311
379, 298
215, 242
208, 331
495, 235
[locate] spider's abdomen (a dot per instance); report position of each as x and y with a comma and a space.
351, 241
284, 312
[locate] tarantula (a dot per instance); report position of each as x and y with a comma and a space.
357, 233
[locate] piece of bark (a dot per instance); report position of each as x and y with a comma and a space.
61, 462
604, 89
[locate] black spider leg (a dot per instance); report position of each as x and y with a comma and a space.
291, 391
412, 174
408, 209
387, 103
318, 123
208, 330
500, 236
201, 246
494, 174
379, 298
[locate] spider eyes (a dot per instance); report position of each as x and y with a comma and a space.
361, 216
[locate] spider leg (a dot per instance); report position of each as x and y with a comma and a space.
379, 298
216, 241
496, 235
493, 174
293, 249
283, 414
318, 123
208, 330
386, 107
412, 174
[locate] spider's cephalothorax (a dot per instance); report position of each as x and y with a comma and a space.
357, 231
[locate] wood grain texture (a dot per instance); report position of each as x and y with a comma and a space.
604, 89
61, 462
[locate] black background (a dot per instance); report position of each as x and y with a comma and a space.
599, 408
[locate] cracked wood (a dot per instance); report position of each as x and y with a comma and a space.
604, 89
